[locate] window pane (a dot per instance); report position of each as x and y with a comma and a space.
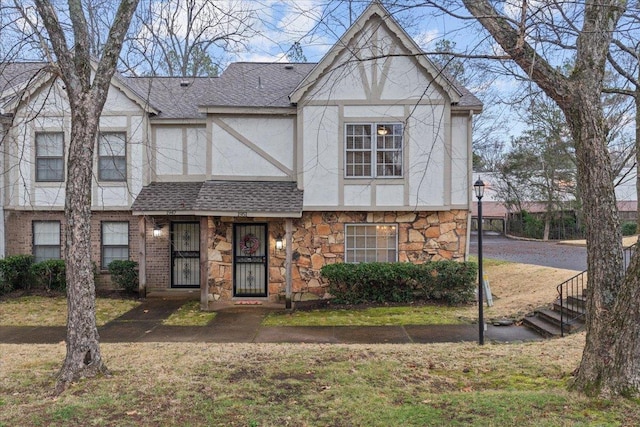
112, 144
112, 168
112, 160
115, 242
46, 240
49, 144
46, 233
114, 253
49, 169
49, 156
43, 253
369, 243
115, 233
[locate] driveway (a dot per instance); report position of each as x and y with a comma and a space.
548, 254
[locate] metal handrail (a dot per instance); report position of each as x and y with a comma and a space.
570, 288
575, 286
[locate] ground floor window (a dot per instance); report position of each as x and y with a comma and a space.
46, 240
115, 242
371, 243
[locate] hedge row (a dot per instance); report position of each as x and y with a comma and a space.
448, 281
21, 272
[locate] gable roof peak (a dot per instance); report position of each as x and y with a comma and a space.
373, 10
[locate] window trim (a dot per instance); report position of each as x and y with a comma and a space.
374, 150
347, 249
124, 157
33, 238
102, 245
60, 157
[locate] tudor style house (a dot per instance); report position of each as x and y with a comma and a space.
245, 185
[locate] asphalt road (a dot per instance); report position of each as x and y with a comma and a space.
548, 254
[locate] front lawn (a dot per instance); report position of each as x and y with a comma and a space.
373, 316
193, 384
190, 315
52, 311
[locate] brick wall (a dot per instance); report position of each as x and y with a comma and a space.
19, 235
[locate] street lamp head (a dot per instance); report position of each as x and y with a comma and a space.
478, 187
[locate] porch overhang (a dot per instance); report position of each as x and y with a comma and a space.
244, 199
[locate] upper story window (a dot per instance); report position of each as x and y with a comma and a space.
374, 150
46, 240
371, 243
112, 156
49, 156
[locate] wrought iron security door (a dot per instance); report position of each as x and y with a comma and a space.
185, 255
250, 260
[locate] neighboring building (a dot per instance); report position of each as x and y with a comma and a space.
365, 156
494, 209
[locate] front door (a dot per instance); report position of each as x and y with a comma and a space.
250, 260
185, 255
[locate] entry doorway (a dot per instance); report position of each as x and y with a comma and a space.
250, 260
185, 255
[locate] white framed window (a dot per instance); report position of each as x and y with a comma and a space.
371, 243
49, 156
112, 156
46, 240
115, 242
373, 150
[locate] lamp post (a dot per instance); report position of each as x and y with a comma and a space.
478, 187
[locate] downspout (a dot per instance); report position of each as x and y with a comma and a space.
470, 176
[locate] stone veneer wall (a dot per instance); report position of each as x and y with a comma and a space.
318, 239
19, 235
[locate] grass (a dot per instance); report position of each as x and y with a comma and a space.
52, 311
517, 289
309, 385
453, 384
375, 316
190, 315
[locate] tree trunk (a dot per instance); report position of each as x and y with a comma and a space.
604, 246
547, 226
83, 357
86, 99
637, 102
611, 355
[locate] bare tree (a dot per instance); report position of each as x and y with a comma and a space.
87, 92
611, 358
625, 60
186, 37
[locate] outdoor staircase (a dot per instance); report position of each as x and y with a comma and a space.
561, 318
567, 314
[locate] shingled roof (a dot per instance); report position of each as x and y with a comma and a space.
252, 198
167, 196
242, 84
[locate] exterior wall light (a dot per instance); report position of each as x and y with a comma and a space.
279, 243
157, 230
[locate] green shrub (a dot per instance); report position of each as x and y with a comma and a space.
124, 273
629, 228
50, 274
448, 281
15, 273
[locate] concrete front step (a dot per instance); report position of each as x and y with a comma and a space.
543, 327
570, 309
552, 316
578, 301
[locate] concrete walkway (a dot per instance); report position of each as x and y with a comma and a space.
243, 324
